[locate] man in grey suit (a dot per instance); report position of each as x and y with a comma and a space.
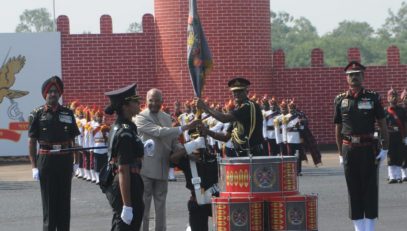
152, 123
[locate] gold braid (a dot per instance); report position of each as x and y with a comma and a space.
235, 135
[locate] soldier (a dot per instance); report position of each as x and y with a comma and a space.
175, 123
100, 133
279, 126
229, 148
265, 110
294, 123
246, 130
79, 140
54, 128
125, 195
186, 118
270, 129
356, 111
202, 165
396, 126
403, 97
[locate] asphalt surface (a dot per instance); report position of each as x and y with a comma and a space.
20, 202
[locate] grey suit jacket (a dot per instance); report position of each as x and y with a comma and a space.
158, 127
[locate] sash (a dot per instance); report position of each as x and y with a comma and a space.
393, 113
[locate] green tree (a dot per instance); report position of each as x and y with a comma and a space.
135, 27
396, 23
36, 20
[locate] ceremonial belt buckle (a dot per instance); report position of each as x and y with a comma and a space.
56, 147
396, 129
355, 139
196, 180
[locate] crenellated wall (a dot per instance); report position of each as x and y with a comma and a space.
314, 88
95, 63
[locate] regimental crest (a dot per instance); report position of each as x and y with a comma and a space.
295, 216
240, 217
264, 177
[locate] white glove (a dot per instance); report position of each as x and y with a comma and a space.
405, 141
127, 214
194, 144
340, 160
149, 147
36, 174
382, 155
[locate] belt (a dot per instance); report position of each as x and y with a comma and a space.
292, 129
356, 139
133, 170
393, 129
48, 151
270, 128
364, 144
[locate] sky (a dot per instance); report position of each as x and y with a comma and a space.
84, 15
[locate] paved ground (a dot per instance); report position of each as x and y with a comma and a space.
20, 203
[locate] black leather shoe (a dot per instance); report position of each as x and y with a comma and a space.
392, 181
399, 181
405, 179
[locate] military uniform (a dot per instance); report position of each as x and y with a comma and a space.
357, 112
293, 124
208, 173
247, 131
54, 129
270, 116
126, 149
396, 120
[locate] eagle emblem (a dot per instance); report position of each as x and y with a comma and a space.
8, 73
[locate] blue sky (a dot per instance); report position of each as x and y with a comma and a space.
84, 14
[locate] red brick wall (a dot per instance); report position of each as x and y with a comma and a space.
315, 88
238, 33
95, 63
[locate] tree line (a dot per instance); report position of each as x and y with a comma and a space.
297, 37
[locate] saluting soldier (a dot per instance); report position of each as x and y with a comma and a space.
279, 126
246, 130
356, 111
53, 127
396, 125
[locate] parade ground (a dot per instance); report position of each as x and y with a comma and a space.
20, 201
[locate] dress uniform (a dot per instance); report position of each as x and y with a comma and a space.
396, 121
279, 126
265, 110
247, 130
354, 116
403, 97
100, 133
126, 150
270, 116
207, 171
294, 123
54, 128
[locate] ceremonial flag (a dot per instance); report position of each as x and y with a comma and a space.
199, 56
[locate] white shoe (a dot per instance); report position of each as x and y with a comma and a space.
93, 176
370, 224
188, 228
87, 175
81, 173
359, 225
